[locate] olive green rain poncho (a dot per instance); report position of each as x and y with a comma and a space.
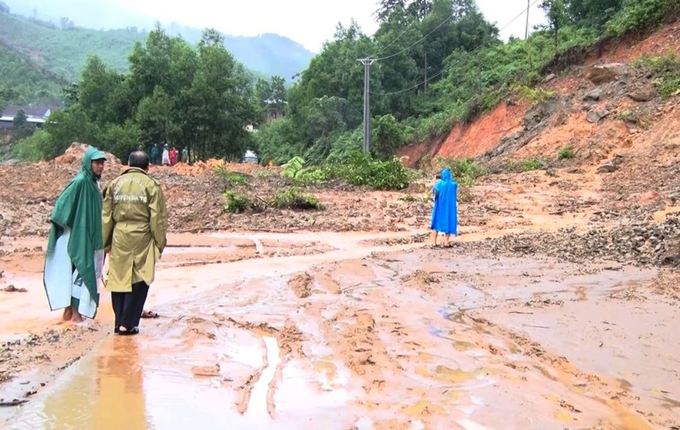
134, 224
74, 259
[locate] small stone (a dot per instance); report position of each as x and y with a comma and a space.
643, 94
593, 95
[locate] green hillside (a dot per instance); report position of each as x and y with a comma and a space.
64, 52
23, 82
34, 50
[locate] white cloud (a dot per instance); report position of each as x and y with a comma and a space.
510, 15
309, 22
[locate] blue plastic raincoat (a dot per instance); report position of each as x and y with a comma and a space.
445, 210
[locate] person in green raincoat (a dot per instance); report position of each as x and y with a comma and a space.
134, 220
74, 258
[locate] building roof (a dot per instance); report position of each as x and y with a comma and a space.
31, 111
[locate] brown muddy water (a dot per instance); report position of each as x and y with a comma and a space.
336, 331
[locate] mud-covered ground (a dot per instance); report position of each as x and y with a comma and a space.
552, 309
356, 331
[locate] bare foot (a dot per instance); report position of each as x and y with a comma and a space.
68, 314
76, 317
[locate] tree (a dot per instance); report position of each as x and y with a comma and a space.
21, 127
272, 97
592, 12
387, 136
220, 100
96, 89
557, 17
387, 7
154, 117
335, 72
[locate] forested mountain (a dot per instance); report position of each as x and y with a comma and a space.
59, 53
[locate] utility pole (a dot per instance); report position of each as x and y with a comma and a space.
425, 85
526, 29
367, 106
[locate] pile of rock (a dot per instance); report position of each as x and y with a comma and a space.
644, 243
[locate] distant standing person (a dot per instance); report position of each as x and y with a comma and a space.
134, 227
185, 155
173, 156
75, 249
166, 156
154, 154
445, 209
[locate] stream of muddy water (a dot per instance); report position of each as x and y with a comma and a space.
341, 331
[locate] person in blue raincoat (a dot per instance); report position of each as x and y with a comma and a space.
154, 154
445, 209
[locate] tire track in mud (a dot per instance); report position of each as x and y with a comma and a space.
287, 346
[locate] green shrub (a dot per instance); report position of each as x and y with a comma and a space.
293, 167
466, 171
294, 198
639, 15
358, 168
296, 171
566, 153
236, 202
36, 147
667, 71
534, 95
525, 165
234, 178
530, 164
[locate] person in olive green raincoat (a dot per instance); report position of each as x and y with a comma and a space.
74, 258
134, 223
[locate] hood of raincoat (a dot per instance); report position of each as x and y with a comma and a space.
90, 155
445, 174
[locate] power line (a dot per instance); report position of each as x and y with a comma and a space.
417, 41
408, 28
518, 16
391, 93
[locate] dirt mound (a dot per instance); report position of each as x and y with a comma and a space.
74, 154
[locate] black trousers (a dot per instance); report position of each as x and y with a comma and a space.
128, 307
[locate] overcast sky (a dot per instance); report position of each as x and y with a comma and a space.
309, 22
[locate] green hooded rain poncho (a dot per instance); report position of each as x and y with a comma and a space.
74, 258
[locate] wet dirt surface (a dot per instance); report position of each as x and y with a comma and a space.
390, 336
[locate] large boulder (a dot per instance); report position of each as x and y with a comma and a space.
602, 73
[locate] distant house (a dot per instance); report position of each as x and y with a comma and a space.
36, 115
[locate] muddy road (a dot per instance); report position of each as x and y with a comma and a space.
342, 330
